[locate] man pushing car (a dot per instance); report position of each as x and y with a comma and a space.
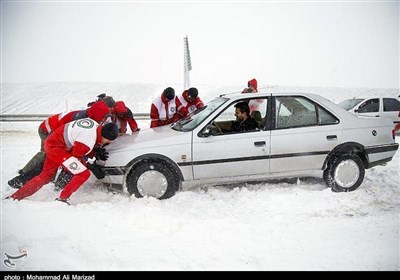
66, 147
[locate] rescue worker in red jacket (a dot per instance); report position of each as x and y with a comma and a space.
122, 116
251, 87
66, 147
98, 112
190, 102
163, 109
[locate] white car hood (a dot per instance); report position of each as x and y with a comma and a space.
147, 140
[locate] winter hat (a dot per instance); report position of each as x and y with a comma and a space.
109, 101
169, 93
193, 93
98, 111
120, 107
252, 83
110, 131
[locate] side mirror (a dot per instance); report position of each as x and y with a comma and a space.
209, 130
355, 110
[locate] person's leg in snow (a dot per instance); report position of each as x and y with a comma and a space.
33, 167
55, 157
76, 182
49, 169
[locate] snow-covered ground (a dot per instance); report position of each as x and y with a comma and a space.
278, 225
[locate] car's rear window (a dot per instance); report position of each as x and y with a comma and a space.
350, 103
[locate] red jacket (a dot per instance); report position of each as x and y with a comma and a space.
188, 106
123, 120
253, 83
97, 112
122, 116
75, 139
77, 145
163, 111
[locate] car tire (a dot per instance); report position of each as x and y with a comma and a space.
154, 179
344, 173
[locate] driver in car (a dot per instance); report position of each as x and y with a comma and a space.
244, 121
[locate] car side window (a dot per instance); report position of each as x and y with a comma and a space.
325, 118
391, 104
258, 111
297, 111
369, 106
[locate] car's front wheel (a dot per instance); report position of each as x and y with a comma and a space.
153, 179
344, 173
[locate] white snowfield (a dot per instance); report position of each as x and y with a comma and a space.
295, 224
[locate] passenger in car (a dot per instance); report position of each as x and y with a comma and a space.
244, 121
163, 109
256, 115
190, 102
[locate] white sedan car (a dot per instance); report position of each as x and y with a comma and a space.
299, 135
385, 107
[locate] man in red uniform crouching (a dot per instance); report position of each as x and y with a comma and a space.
67, 146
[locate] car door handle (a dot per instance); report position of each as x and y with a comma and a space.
260, 143
331, 137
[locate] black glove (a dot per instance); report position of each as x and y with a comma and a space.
97, 170
101, 153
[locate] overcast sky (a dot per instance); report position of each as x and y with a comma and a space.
339, 44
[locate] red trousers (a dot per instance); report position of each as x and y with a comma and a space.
54, 158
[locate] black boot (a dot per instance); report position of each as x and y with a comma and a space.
17, 182
23, 177
63, 200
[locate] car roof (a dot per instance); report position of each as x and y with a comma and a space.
235, 95
362, 98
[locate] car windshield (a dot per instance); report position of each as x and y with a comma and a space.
349, 103
193, 120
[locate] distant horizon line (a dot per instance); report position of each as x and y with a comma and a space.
199, 84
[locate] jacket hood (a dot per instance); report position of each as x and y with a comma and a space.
98, 111
120, 107
253, 83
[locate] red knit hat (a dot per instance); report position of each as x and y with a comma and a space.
98, 111
120, 107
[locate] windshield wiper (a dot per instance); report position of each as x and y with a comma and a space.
179, 124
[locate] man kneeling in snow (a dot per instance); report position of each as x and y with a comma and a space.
67, 146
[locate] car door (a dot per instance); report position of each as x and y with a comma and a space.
370, 107
303, 135
231, 154
391, 108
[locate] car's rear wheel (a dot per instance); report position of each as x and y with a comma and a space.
344, 173
154, 179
